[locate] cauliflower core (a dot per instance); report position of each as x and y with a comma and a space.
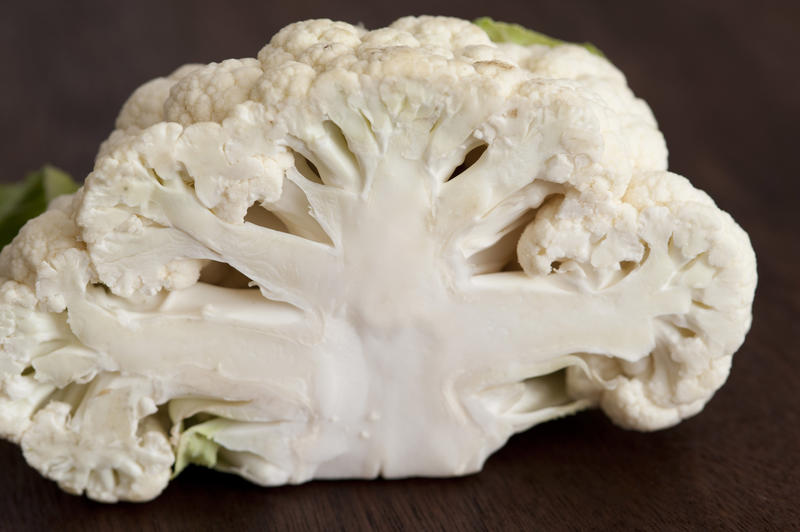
364, 253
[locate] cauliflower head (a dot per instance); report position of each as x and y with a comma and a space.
360, 254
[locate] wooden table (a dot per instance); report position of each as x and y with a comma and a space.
723, 82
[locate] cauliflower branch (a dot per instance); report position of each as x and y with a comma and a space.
364, 253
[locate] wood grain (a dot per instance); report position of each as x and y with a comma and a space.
723, 82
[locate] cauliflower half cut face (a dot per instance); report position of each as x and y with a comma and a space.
361, 254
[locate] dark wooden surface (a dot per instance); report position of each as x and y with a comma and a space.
723, 82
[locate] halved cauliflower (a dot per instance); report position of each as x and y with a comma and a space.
364, 253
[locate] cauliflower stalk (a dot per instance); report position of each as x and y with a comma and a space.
364, 253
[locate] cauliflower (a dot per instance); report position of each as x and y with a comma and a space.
361, 254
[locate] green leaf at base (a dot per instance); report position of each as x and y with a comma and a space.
196, 445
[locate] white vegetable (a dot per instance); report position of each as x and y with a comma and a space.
401, 320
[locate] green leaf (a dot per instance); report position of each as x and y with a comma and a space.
56, 183
197, 446
19, 202
514, 33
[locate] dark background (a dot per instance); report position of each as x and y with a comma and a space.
723, 82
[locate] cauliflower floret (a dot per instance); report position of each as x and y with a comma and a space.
107, 446
694, 347
210, 93
364, 253
39, 241
145, 107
